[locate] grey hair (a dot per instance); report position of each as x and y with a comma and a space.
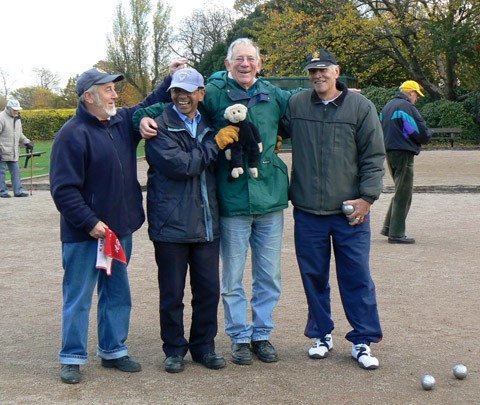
245, 41
91, 89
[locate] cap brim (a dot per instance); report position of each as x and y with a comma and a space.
110, 78
317, 65
185, 86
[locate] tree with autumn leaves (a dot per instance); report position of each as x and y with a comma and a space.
435, 42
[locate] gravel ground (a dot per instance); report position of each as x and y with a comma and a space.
428, 301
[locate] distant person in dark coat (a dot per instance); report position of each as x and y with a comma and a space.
404, 132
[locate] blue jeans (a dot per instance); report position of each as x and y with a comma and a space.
314, 237
113, 308
15, 176
264, 235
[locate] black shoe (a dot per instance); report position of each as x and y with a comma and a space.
22, 195
125, 364
70, 373
265, 351
174, 364
241, 354
5, 195
385, 231
211, 360
401, 239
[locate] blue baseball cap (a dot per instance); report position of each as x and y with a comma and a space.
187, 79
94, 76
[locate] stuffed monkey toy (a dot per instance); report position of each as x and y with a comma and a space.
249, 142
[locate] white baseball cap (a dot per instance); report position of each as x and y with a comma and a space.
14, 105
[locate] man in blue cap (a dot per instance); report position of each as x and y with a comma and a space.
183, 221
93, 182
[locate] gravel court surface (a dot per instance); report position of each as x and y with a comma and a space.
428, 301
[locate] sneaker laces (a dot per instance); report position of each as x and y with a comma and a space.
363, 355
326, 341
321, 347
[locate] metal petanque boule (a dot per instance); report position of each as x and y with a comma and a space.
428, 382
460, 371
348, 209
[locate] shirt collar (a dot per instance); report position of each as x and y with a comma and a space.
186, 119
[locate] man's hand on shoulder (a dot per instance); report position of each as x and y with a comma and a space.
148, 128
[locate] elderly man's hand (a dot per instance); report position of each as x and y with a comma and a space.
99, 230
278, 145
176, 65
362, 208
148, 128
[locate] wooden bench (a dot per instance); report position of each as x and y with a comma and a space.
445, 133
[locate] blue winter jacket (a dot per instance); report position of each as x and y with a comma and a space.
403, 126
182, 204
93, 172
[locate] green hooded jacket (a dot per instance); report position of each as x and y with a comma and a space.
266, 104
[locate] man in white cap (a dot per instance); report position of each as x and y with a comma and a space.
11, 136
93, 182
404, 131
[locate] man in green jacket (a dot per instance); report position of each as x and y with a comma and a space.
337, 158
251, 209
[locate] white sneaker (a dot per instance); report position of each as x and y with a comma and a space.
363, 355
321, 347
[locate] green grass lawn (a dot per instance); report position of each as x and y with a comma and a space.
41, 164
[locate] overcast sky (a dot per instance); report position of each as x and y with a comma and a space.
64, 36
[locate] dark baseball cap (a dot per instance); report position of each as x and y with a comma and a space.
320, 59
94, 76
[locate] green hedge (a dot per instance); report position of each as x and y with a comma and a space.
44, 124
439, 114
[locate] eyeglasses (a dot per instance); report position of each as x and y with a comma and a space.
177, 91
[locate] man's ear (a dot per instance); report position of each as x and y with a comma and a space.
88, 97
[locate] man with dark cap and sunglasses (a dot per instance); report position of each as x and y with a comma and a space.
93, 182
337, 158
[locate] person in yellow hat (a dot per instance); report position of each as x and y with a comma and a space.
404, 132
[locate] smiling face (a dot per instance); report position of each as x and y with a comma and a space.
101, 100
187, 102
244, 64
324, 81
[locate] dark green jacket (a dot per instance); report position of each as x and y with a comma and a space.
338, 151
267, 104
